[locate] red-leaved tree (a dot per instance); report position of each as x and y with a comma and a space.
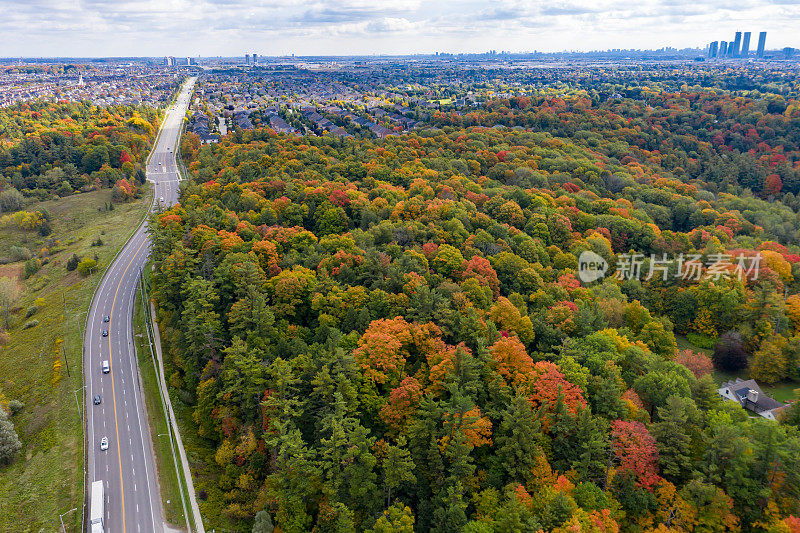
700, 364
636, 450
548, 383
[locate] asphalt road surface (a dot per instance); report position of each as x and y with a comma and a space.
127, 467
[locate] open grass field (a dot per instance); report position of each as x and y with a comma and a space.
41, 364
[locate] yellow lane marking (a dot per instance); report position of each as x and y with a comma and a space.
113, 390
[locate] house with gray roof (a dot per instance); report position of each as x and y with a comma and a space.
749, 395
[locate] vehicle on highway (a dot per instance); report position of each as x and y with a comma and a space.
97, 399
106, 367
105, 333
97, 508
104, 443
106, 318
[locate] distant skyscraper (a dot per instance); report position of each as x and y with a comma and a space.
712, 49
745, 45
733, 48
247, 59
255, 59
762, 41
723, 49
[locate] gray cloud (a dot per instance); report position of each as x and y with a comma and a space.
230, 27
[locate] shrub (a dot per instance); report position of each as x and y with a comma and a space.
11, 200
31, 311
15, 406
97, 242
86, 266
9, 440
700, 340
32, 266
65, 189
19, 253
45, 229
72, 262
30, 324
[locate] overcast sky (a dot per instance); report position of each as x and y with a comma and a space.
275, 27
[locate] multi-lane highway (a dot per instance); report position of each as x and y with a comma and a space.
127, 467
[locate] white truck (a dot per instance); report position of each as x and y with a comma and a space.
97, 509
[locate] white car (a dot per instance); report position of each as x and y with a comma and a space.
104, 443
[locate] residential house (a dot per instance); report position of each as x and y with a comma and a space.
749, 395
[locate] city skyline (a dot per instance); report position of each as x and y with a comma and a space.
46, 28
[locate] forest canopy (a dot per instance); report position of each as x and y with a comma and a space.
49, 149
390, 335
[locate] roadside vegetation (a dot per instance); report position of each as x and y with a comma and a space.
169, 482
40, 359
72, 190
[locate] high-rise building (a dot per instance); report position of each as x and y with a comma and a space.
745, 45
733, 48
762, 41
712, 49
247, 59
255, 59
723, 49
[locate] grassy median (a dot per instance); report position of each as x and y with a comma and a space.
41, 364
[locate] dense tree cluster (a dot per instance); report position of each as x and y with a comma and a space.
57, 149
727, 142
391, 336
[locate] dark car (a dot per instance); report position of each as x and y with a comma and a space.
106, 318
105, 333
97, 399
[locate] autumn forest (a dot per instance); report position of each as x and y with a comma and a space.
391, 335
